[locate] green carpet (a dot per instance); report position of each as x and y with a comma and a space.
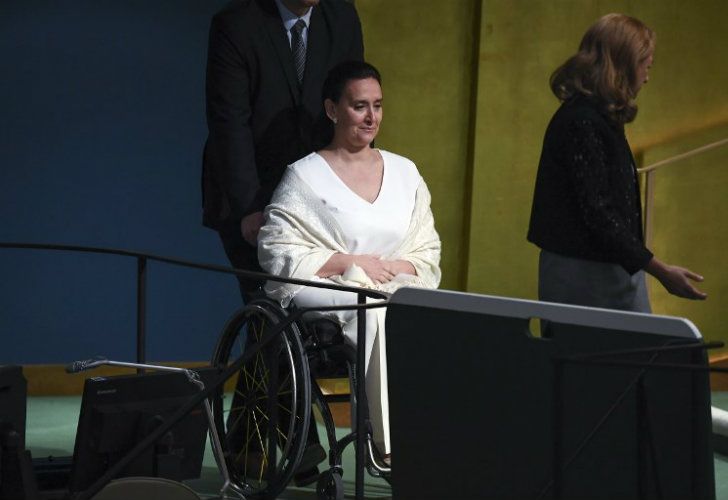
51, 431
720, 400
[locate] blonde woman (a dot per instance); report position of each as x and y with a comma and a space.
586, 215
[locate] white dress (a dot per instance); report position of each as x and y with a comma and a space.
314, 215
367, 228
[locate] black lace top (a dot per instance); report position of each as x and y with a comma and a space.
586, 203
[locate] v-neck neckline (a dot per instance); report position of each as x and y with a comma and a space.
351, 191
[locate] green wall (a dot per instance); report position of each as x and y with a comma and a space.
689, 225
467, 97
425, 52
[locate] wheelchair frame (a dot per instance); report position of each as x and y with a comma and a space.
257, 397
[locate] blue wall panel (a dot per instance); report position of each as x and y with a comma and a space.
101, 134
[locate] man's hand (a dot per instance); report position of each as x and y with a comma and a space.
250, 225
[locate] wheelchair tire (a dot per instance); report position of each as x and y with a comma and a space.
330, 486
263, 430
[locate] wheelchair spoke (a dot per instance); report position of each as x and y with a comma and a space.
284, 440
286, 381
256, 368
249, 400
264, 457
260, 418
249, 435
267, 419
263, 426
252, 384
234, 425
240, 411
285, 408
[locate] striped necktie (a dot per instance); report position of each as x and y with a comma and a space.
298, 48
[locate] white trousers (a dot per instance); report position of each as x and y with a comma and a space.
376, 354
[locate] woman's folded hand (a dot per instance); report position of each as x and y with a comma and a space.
378, 270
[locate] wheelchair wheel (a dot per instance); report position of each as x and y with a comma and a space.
263, 429
330, 486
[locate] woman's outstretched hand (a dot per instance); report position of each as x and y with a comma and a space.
676, 280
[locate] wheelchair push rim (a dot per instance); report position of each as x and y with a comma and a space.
264, 422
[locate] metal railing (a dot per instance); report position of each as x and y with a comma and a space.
649, 182
141, 279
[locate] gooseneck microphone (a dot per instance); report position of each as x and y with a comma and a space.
86, 364
194, 377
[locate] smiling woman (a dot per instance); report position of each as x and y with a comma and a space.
354, 215
356, 115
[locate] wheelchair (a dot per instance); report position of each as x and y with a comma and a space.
264, 427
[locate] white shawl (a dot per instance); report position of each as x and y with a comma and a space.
300, 235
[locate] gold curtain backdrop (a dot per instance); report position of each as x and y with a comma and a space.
467, 98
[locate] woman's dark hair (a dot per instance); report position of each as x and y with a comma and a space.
606, 65
345, 72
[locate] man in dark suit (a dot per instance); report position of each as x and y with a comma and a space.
266, 66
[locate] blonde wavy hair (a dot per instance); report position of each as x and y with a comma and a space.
606, 65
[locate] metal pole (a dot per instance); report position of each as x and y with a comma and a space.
141, 346
361, 431
558, 434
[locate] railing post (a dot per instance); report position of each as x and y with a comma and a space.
649, 205
141, 348
648, 188
557, 430
361, 399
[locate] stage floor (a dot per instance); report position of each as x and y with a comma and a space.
51, 430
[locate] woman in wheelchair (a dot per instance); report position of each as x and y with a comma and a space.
354, 215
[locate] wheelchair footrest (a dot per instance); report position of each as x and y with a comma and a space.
324, 332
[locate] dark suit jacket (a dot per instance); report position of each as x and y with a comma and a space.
586, 203
259, 118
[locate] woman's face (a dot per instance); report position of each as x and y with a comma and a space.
643, 69
358, 113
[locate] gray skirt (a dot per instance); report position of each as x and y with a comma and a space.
569, 280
